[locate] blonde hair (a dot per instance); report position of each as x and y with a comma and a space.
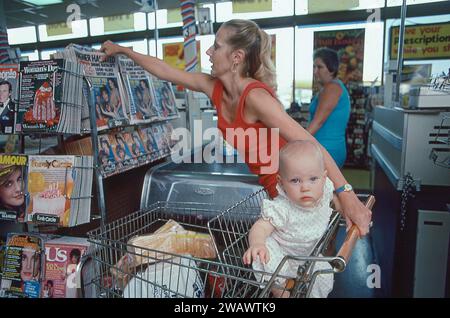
257, 44
299, 149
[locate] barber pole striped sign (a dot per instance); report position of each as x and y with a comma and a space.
189, 32
4, 46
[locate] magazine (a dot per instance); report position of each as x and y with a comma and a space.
50, 184
62, 255
138, 149
9, 84
123, 151
40, 96
139, 88
165, 98
106, 94
161, 139
13, 181
22, 269
106, 156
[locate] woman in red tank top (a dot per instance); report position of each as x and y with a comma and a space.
241, 86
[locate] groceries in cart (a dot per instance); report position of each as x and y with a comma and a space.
165, 243
293, 222
185, 272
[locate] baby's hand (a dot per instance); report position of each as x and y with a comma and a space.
254, 251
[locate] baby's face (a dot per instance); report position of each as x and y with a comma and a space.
302, 180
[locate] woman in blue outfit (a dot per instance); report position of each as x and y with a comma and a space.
330, 108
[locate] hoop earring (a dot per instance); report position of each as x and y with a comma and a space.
234, 67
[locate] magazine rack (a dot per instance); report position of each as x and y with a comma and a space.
97, 167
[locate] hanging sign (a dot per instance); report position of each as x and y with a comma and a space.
246, 6
118, 23
316, 6
425, 41
58, 29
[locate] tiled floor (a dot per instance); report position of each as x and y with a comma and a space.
352, 283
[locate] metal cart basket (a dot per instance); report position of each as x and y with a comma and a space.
163, 274
234, 225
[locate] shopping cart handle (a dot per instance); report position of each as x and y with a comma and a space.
343, 256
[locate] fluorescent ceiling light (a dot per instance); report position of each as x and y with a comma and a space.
43, 2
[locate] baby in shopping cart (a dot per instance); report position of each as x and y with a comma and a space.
293, 222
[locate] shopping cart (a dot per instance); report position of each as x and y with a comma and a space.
234, 225
168, 275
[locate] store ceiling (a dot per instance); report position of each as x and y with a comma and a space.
20, 13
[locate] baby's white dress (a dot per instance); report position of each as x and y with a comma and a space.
297, 230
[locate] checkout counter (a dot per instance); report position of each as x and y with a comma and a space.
412, 216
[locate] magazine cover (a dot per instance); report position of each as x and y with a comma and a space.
137, 148
123, 151
139, 88
160, 138
22, 270
13, 180
62, 255
9, 84
134, 149
165, 98
50, 185
106, 157
40, 96
151, 144
145, 142
106, 93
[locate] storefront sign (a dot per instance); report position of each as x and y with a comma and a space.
118, 23
174, 15
316, 6
245, 6
425, 41
349, 45
58, 29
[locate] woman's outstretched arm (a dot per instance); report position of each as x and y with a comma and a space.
199, 82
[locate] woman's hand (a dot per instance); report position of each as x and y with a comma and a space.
111, 49
355, 212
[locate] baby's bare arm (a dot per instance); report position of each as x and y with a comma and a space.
257, 241
337, 204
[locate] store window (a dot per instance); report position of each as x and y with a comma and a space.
172, 17
165, 18
45, 54
139, 46
61, 31
118, 24
21, 35
372, 60
254, 9
303, 7
152, 48
393, 3
206, 41
30, 55
284, 57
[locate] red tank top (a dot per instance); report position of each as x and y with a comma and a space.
254, 142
